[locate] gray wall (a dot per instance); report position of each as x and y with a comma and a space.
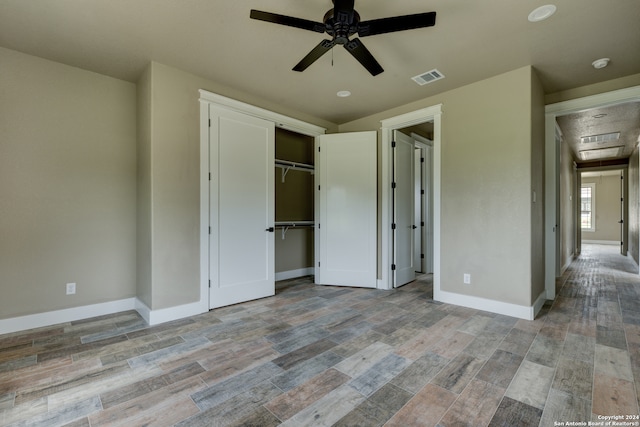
68, 186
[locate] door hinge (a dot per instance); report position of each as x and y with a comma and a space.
393, 144
209, 283
393, 185
422, 224
318, 149
209, 122
318, 226
393, 226
421, 159
209, 176
209, 230
393, 267
422, 192
422, 256
318, 264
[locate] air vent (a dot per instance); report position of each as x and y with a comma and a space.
600, 139
601, 153
428, 77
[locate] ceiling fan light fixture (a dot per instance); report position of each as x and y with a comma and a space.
343, 94
541, 13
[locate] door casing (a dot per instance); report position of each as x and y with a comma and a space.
430, 114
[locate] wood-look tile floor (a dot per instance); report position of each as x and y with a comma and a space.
322, 356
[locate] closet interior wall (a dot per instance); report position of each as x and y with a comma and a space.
294, 203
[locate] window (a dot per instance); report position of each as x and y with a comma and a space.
587, 207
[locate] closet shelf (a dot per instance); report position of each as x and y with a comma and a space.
286, 225
286, 166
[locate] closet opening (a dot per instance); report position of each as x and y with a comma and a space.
294, 205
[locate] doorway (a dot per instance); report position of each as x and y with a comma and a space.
412, 190
603, 208
552, 172
432, 115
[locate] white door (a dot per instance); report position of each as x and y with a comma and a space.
403, 211
241, 242
346, 181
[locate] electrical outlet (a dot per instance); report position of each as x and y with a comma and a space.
71, 288
467, 279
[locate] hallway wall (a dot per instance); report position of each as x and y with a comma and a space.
634, 206
567, 206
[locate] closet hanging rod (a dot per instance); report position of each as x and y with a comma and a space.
286, 225
294, 165
294, 223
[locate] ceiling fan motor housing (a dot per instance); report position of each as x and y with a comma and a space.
342, 21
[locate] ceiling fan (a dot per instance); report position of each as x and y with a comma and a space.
342, 22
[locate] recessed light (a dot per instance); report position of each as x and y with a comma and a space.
343, 93
600, 63
542, 13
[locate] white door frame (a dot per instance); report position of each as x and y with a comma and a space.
433, 113
552, 111
206, 100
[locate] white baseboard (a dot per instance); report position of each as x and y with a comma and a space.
155, 317
498, 307
50, 318
602, 242
292, 274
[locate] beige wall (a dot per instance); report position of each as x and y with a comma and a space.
607, 191
487, 184
68, 186
594, 89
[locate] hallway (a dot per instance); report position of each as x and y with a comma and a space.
598, 307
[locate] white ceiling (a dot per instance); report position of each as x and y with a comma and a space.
472, 40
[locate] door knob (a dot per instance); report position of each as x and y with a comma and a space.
270, 229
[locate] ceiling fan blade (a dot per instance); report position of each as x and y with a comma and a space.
362, 54
290, 21
324, 47
396, 23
